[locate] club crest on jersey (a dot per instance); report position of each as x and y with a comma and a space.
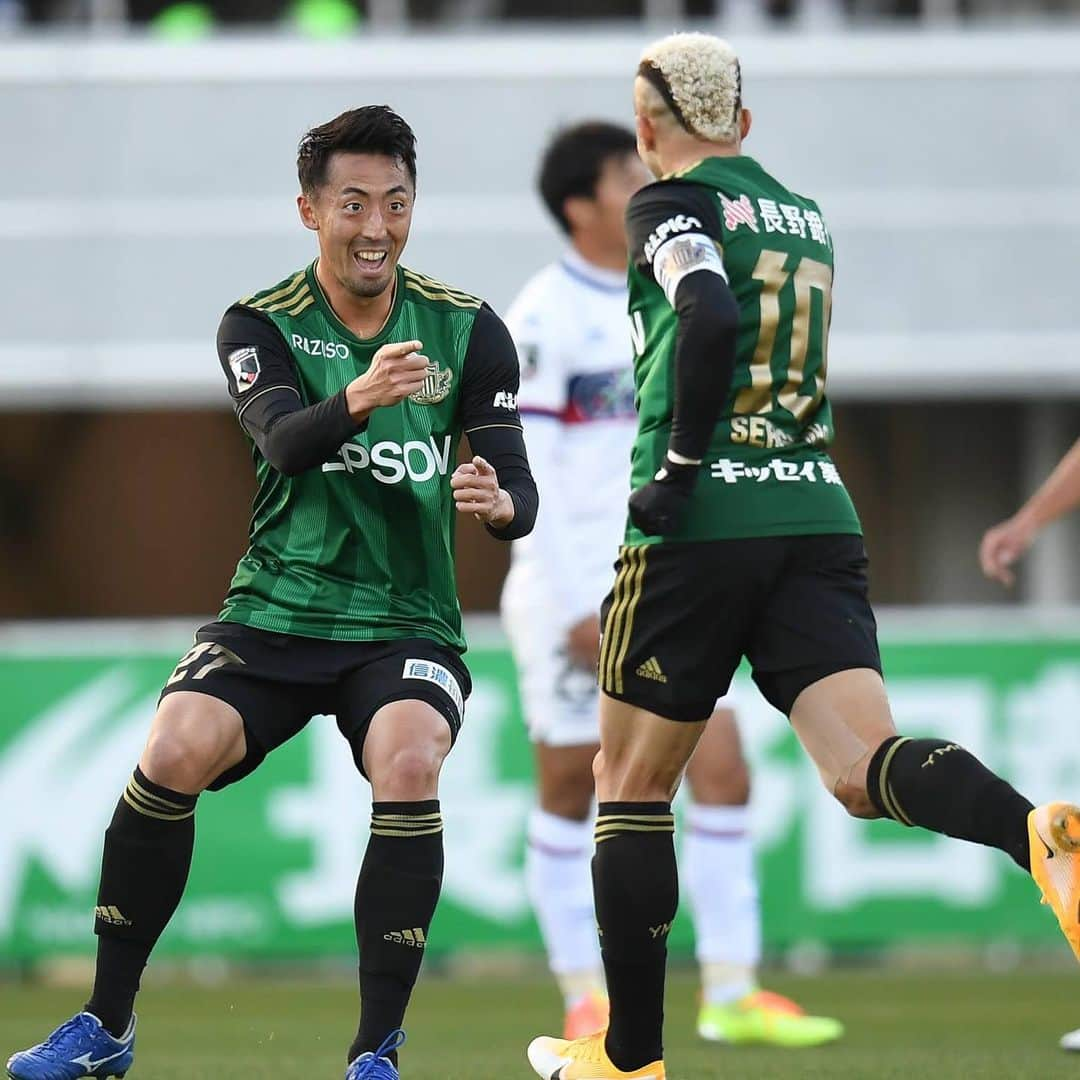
245, 367
436, 386
738, 212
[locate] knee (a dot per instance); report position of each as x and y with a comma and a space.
187, 749
855, 800
177, 761
407, 774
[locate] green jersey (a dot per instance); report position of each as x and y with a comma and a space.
358, 545
767, 472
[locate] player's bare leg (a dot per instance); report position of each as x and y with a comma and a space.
845, 724
840, 721
638, 769
193, 739
401, 876
642, 756
718, 874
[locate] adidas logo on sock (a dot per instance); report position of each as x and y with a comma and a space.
111, 915
651, 670
414, 938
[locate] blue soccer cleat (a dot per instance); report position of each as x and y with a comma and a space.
80, 1047
377, 1066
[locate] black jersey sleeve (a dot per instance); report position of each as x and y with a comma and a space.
676, 237
266, 393
490, 378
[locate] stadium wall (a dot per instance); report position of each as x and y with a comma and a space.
156, 184
277, 855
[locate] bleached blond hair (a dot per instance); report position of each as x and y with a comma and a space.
699, 78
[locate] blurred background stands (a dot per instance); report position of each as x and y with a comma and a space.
334, 16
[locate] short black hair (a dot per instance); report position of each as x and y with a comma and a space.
372, 129
574, 159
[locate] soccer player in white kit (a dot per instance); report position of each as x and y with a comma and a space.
577, 403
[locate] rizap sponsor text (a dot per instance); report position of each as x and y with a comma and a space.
333, 350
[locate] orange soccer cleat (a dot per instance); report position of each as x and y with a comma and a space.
583, 1059
1054, 838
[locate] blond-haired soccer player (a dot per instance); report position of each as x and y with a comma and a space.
577, 397
742, 541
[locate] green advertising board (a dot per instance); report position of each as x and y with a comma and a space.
277, 855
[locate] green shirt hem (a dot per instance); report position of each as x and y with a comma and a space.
290, 622
752, 531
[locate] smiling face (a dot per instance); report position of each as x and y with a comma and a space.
362, 213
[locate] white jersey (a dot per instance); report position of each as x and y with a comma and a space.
577, 406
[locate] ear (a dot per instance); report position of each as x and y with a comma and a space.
307, 212
745, 120
579, 211
646, 133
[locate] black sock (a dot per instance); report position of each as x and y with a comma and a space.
144, 869
637, 891
396, 895
939, 786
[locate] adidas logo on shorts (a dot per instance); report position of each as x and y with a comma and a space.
651, 670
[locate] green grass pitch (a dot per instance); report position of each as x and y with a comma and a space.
910, 1026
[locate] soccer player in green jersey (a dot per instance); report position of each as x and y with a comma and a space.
742, 541
354, 379
577, 402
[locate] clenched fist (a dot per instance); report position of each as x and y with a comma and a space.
397, 370
477, 492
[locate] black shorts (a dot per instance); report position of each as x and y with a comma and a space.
682, 615
278, 682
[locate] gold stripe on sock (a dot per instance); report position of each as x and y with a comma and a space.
406, 826
156, 807
153, 814
150, 797
903, 818
601, 837
406, 817
885, 791
613, 824
605, 833
636, 817
375, 831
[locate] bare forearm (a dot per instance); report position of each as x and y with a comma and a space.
1059, 494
